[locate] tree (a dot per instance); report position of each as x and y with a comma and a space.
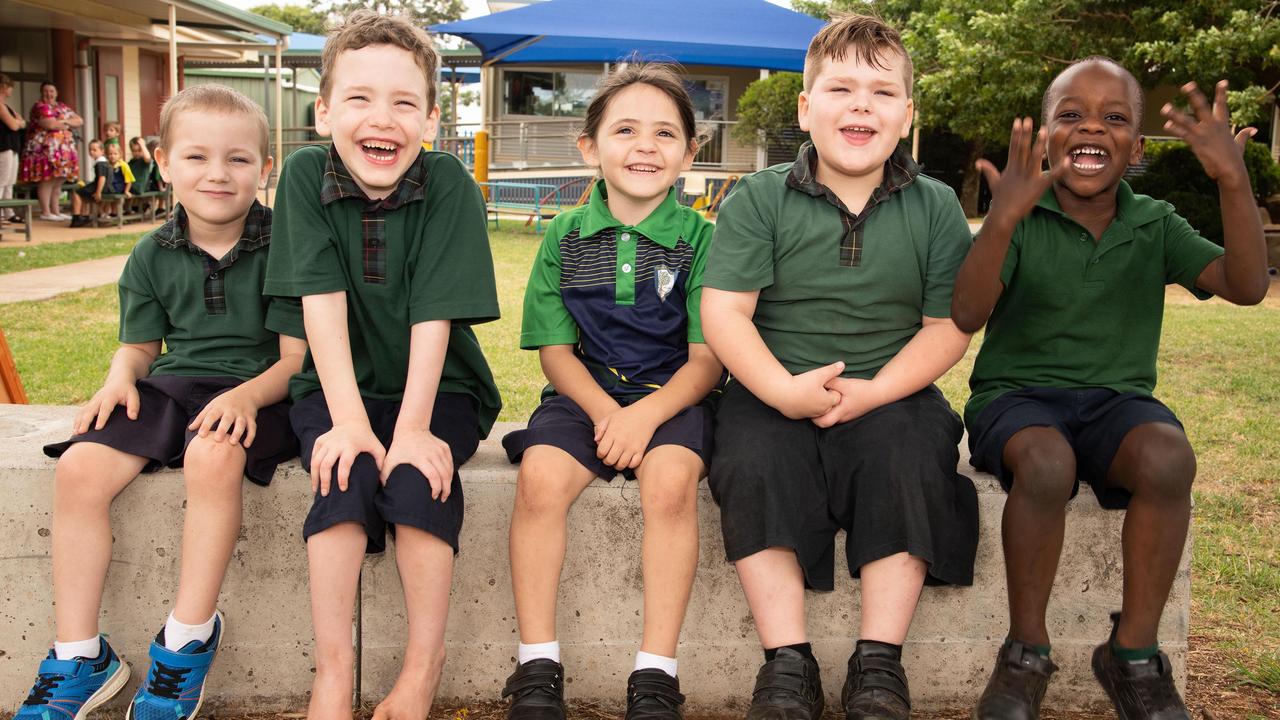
301, 19
769, 106
979, 63
419, 12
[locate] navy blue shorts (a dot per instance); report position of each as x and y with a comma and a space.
560, 422
1093, 420
166, 406
406, 498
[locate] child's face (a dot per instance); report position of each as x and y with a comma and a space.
135, 151
113, 153
856, 114
214, 165
377, 115
113, 131
95, 149
1093, 128
640, 146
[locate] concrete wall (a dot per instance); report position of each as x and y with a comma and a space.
266, 658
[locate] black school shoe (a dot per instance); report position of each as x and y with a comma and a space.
875, 687
788, 687
536, 690
1139, 691
1017, 684
653, 695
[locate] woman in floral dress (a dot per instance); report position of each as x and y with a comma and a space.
50, 153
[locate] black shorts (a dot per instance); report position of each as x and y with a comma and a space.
1093, 420
406, 498
167, 405
887, 478
560, 422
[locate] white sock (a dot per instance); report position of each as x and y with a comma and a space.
535, 651
77, 648
177, 634
646, 660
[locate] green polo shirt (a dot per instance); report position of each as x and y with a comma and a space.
625, 296
210, 312
1080, 313
420, 254
835, 285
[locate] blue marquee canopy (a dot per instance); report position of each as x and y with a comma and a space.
735, 33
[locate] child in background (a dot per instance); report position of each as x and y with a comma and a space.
111, 134
84, 199
612, 308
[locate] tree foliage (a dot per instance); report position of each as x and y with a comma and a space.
301, 19
768, 105
419, 12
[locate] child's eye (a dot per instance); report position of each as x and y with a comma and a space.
666, 133
408, 103
1069, 115
358, 98
195, 157
1117, 117
625, 130
887, 93
239, 159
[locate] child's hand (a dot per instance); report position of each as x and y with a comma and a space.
428, 453
857, 398
340, 447
234, 416
807, 395
1208, 134
104, 402
622, 437
1015, 191
97, 197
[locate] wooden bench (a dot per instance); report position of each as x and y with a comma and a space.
533, 200
28, 206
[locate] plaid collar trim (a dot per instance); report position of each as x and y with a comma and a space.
256, 234
338, 184
900, 170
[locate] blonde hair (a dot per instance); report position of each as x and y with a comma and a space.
213, 98
868, 37
5, 81
363, 28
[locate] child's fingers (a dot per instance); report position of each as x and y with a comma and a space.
346, 459
601, 428
989, 172
250, 432
1221, 112
237, 431
378, 452
317, 455
132, 401
104, 412
603, 446
1242, 137
1036, 160
1199, 103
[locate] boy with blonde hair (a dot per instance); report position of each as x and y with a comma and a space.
827, 296
211, 403
386, 245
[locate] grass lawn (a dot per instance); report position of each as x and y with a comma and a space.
14, 259
1219, 371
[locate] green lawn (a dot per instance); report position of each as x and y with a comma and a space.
14, 259
1219, 370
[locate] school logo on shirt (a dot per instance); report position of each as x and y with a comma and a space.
664, 280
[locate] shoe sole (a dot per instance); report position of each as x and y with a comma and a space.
109, 689
195, 712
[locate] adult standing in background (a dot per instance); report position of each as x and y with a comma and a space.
11, 125
50, 153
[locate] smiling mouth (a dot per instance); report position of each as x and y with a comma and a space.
1089, 159
858, 134
380, 152
643, 169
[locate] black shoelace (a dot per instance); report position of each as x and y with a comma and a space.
45, 685
166, 681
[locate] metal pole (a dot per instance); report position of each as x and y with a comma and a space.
280, 41
173, 49
481, 170
762, 147
915, 137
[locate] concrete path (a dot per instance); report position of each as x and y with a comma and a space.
44, 283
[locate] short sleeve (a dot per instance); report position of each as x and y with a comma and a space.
701, 249
546, 320
452, 277
741, 256
949, 242
1186, 254
142, 317
304, 259
1012, 255
284, 317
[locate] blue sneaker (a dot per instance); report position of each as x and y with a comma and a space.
174, 686
70, 689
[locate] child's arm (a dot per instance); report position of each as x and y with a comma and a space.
623, 436
1240, 275
130, 363
412, 442
325, 317
730, 333
1013, 194
937, 346
570, 378
98, 185
234, 413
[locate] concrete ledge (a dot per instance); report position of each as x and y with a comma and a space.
266, 662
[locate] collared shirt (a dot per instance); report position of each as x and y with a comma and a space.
210, 312
1076, 312
835, 285
431, 262
625, 296
339, 185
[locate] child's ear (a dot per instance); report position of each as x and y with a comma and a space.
911, 116
802, 110
433, 124
322, 117
162, 161
1139, 148
590, 154
267, 164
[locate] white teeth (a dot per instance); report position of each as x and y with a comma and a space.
859, 128
1089, 150
388, 147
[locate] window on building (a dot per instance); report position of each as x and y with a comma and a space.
550, 94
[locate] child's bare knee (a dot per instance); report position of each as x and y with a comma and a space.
208, 457
1044, 472
543, 490
669, 494
1163, 465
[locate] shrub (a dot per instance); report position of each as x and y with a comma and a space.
769, 104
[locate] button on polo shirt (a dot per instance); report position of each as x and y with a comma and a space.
626, 297
834, 285
1075, 313
210, 312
